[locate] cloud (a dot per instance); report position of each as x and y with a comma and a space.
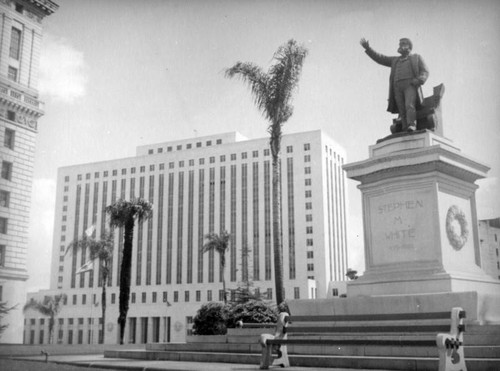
63, 72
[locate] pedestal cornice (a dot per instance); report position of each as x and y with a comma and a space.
415, 154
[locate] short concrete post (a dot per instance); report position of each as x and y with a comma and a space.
451, 346
46, 354
267, 349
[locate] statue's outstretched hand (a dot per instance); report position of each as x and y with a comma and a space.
364, 43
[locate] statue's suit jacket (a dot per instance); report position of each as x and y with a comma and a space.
419, 68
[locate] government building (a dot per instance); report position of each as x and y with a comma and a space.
20, 110
197, 186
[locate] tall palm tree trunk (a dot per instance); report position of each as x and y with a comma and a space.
222, 260
51, 329
103, 308
125, 275
277, 241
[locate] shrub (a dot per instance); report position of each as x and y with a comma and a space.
252, 311
214, 318
211, 319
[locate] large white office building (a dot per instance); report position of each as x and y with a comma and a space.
197, 186
20, 110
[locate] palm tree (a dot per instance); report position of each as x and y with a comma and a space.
98, 249
219, 243
272, 92
4, 310
50, 307
124, 214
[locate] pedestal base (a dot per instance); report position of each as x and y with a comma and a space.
480, 308
403, 282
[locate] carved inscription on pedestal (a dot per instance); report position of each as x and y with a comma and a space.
400, 225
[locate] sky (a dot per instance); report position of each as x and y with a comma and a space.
117, 74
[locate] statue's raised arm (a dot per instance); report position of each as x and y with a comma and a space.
364, 43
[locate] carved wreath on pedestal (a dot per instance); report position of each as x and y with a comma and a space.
457, 241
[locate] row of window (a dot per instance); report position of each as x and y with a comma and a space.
179, 147
155, 297
60, 321
171, 165
289, 149
176, 297
6, 173
137, 327
309, 228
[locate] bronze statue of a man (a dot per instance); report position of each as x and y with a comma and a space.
408, 73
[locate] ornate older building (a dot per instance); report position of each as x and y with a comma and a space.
20, 109
197, 186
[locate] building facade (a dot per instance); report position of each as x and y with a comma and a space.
489, 241
20, 109
197, 186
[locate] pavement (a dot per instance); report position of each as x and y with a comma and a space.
98, 361
91, 356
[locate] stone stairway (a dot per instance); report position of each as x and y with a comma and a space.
482, 352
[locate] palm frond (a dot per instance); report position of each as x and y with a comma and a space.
283, 79
39, 307
143, 209
102, 249
76, 245
218, 243
122, 212
257, 80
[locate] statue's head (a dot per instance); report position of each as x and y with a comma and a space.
405, 46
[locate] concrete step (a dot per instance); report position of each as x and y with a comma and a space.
320, 361
375, 351
206, 347
482, 351
486, 351
225, 357
474, 335
482, 335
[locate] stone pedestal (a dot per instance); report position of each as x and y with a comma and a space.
480, 308
420, 222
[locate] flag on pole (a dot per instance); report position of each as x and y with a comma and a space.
88, 266
67, 249
90, 231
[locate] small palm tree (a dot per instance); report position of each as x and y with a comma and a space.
50, 307
219, 243
273, 93
124, 214
103, 251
